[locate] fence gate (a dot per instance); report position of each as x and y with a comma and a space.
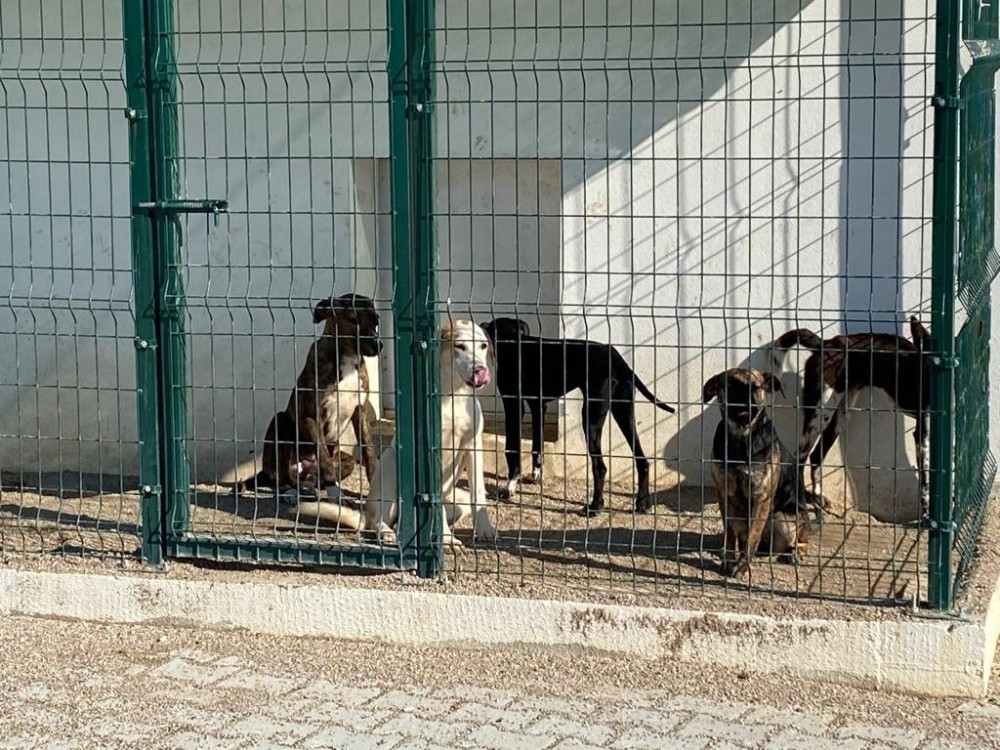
964, 267
243, 125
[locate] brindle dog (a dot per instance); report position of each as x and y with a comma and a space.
331, 390
764, 508
290, 459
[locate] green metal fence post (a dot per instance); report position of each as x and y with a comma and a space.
428, 413
414, 261
144, 281
399, 151
163, 111
946, 123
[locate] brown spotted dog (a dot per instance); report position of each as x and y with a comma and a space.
836, 372
289, 459
764, 507
332, 391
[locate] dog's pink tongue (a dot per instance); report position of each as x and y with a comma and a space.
481, 377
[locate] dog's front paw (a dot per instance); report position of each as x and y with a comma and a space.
453, 542
535, 476
643, 503
384, 536
792, 558
487, 535
509, 490
736, 569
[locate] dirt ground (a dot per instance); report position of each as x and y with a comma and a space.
546, 547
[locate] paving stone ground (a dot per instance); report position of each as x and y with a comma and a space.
80, 686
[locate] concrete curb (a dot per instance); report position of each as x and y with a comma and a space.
927, 656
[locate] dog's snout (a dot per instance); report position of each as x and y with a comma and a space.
480, 376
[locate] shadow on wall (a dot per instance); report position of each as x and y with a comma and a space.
848, 275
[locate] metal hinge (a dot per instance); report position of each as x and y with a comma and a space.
150, 490
203, 206
946, 527
423, 499
944, 363
143, 344
947, 102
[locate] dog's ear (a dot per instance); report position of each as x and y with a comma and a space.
522, 326
771, 383
712, 387
323, 310
918, 332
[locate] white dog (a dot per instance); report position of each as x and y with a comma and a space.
466, 359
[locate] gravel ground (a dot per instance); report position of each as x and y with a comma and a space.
666, 558
83, 685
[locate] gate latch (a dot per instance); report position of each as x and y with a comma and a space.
204, 206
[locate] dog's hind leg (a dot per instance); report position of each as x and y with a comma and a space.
513, 411
329, 470
537, 408
363, 421
921, 437
812, 402
826, 440
595, 413
624, 415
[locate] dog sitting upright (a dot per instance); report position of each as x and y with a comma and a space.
764, 508
840, 367
465, 361
538, 370
290, 459
331, 391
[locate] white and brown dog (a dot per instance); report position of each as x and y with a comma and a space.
466, 363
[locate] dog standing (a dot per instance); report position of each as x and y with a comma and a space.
332, 391
763, 505
539, 370
466, 361
836, 372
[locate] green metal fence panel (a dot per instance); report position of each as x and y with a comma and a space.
687, 182
273, 190
682, 181
69, 450
978, 263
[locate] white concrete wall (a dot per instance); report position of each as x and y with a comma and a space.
723, 177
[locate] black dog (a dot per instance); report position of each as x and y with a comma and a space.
538, 370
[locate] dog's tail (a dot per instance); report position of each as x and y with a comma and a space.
341, 516
801, 337
639, 385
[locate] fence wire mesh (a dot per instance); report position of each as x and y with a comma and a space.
975, 464
685, 182
283, 110
67, 393
680, 184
